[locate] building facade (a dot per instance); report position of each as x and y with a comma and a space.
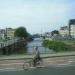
64, 31
2, 34
72, 28
9, 33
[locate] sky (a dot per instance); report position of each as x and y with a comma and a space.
38, 16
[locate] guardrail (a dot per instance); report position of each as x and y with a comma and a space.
8, 42
42, 50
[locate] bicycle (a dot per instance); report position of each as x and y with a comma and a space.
29, 64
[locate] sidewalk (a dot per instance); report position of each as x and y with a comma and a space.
17, 57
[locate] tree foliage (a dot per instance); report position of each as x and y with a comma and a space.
54, 32
21, 32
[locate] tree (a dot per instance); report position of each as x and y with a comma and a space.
54, 32
21, 32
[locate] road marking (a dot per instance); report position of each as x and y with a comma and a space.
62, 64
70, 61
12, 64
66, 64
60, 60
50, 61
10, 69
16, 69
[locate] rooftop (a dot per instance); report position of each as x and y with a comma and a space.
72, 22
64, 28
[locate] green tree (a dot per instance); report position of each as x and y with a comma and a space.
21, 32
54, 32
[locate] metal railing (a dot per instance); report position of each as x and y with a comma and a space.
42, 50
8, 42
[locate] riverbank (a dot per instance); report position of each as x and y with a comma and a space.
58, 45
16, 57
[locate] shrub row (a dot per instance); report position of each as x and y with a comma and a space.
57, 46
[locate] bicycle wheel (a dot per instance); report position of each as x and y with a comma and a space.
26, 65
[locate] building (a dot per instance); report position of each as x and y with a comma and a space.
48, 34
2, 34
64, 31
9, 33
72, 28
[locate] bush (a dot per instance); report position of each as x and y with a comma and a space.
57, 45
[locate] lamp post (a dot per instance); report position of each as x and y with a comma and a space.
6, 41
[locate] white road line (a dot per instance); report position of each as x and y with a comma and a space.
62, 64
59, 65
10, 69
12, 64
54, 60
70, 61
65, 65
50, 61
22, 63
60, 60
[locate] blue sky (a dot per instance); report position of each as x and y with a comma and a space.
37, 16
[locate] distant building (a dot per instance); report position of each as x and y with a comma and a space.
64, 31
2, 34
48, 34
72, 28
9, 33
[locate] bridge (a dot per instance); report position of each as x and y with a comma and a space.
8, 42
38, 39
8, 46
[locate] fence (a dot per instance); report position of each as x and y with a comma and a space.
8, 42
42, 50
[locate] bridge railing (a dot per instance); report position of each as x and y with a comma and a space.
8, 42
42, 50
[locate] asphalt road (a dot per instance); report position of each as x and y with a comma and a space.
58, 66
66, 70
57, 61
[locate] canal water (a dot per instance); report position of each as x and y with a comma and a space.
37, 42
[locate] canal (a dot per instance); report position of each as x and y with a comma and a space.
37, 42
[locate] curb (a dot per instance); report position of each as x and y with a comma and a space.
23, 58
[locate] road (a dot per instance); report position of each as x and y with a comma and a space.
66, 70
53, 62
53, 66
